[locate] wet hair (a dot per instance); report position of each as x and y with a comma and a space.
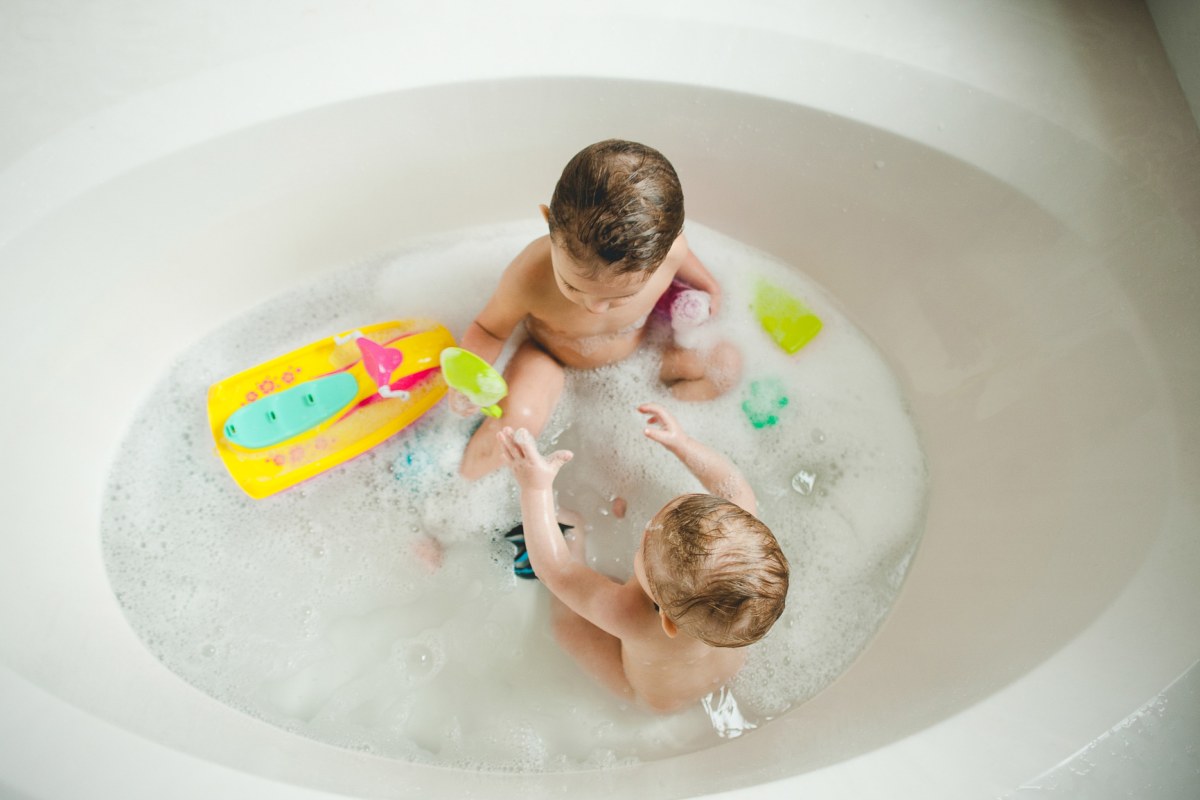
716, 570
617, 208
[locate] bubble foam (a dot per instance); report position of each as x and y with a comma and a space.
374, 607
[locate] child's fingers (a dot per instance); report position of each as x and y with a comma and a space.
559, 457
714, 303
526, 443
653, 413
460, 405
505, 452
651, 408
508, 447
661, 417
658, 414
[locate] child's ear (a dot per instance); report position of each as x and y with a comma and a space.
668, 626
545, 209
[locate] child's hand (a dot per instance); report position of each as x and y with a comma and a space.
670, 434
531, 469
714, 297
459, 403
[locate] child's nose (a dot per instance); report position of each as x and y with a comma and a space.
597, 306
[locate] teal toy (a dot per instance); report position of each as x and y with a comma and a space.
764, 402
280, 416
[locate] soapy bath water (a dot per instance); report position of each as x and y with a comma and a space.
374, 607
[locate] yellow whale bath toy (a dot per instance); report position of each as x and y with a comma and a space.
293, 417
475, 378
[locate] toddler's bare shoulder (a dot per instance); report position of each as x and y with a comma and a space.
680, 247
532, 262
531, 271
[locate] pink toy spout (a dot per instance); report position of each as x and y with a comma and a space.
379, 361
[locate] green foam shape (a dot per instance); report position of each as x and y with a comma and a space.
764, 401
785, 318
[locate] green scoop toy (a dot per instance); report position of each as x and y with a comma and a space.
477, 379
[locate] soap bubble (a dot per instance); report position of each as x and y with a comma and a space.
803, 481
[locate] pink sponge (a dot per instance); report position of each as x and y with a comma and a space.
684, 306
689, 308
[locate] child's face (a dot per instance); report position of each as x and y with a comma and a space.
596, 295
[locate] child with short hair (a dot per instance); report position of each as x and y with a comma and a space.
709, 577
586, 290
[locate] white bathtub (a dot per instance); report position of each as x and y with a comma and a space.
1006, 197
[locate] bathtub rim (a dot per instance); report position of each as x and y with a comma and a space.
70, 139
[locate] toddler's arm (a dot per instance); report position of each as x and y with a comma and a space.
589, 594
492, 327
693, 272
714, 470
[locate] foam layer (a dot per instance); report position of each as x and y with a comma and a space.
323, 610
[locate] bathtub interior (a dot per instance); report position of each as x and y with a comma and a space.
1034, 307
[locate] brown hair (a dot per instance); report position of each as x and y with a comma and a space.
717, 571
617, 206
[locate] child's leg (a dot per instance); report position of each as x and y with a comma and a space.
535, 382
701, 374
597, 652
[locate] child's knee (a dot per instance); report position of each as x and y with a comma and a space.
725, 367
533, 394
681, 364
530, 415
696, 376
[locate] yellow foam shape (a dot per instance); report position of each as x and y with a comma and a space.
365, 422
785, 318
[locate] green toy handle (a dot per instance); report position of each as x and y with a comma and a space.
469, 374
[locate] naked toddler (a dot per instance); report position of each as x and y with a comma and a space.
709, 577
586, 290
